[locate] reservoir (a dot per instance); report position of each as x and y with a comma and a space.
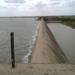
25, 30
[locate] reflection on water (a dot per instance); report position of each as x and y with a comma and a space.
24, 29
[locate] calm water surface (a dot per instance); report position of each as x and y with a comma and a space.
24, 30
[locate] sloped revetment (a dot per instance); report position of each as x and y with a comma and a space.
46, 49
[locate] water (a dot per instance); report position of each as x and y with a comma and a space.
25, 33
24, 29
65, 36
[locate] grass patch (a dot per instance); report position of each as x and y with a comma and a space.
69, 21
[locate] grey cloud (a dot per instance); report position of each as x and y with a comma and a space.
54, 0
2, 7
71, 3
40, 5
15, 1
55, 3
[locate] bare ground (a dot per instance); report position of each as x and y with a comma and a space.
38, 69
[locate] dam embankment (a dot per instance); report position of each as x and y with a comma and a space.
46, 48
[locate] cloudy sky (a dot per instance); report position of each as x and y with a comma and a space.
37, 7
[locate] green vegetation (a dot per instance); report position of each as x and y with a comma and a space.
68, 20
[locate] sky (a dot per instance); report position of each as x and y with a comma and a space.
37, 7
